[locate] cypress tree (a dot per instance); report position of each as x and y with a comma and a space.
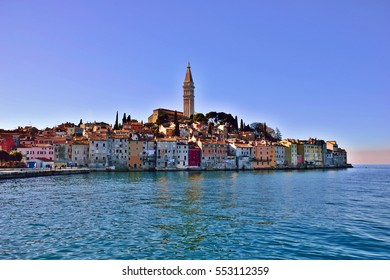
210, 130
124, 119
242, 125
236, 123
177, 130
116, 126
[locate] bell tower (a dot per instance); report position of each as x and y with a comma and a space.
188, 94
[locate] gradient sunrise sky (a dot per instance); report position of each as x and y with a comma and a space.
311, 68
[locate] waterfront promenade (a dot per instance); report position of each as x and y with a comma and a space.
13, 173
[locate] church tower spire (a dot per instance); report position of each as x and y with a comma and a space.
188, 93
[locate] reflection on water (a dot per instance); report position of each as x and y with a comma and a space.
194, 215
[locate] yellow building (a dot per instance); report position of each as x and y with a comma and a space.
311, 152
291, 152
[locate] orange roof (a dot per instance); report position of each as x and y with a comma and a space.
243, 146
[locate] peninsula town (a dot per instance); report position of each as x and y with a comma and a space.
169, 140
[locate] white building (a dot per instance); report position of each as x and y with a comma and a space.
182, 155
117, 155
166, 153
244, 155
98, 152
80, 153
279, 155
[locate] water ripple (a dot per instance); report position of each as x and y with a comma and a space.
214, 215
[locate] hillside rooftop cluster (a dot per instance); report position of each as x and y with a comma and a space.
174, 145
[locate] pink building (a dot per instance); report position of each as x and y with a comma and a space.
214, 154
37, 151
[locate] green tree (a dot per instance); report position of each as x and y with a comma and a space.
4, 156
265, 133
210, 128
116, 126
34, 131
257, 127
278, 134
15, 156
200, 118
162, 118
211, 116
124, 119
242, 125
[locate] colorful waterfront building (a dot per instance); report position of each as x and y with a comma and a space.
149, 154
166, 153
182, 155
339, 155
215, 154
117, 145
37, 151
311, 152
291, 152
98, 151
279, 159
263, 154
244, 155
136, 153
80, 153
188, 155
63, 152
194, 155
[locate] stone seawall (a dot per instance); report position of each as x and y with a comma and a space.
27, 173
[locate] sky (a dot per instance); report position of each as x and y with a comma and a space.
315, 69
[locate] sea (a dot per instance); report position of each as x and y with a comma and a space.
215, 215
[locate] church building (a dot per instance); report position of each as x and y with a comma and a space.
188, 101
188, 94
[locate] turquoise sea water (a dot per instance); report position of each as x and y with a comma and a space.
332, 214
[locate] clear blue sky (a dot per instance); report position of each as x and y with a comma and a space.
311, 68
